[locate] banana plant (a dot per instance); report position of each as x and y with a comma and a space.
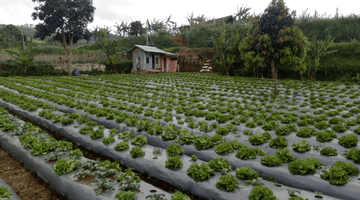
24, 56
317, 49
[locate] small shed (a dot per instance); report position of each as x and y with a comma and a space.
152, 59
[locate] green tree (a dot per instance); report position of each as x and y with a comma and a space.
317, 49
9, 35
136, 28
122, 29
64, 17
226, 49
274, 40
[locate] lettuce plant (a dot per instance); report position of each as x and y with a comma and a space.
203, 142
250, 124
185, 137
306, 132
285, 155
285, 130
271, 161
4, 192
144, 124
108, 140
179, 196
126, 135
227, 182
170, 132
224, 148
278, 143
304, 166
246, 173
353, 154
65, 166
155, 128
301, 146
326, 136
236, 145
220, 164
137, 152
173, 162
259, 138
335, 175
270, 126
200, 172
128, 195
348, 141
158, 114
322, 125
121, 146
340, 128
139, 141
246, 153
222, 130
174, 150
260, 192
328, 151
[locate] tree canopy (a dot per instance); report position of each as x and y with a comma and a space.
274, 41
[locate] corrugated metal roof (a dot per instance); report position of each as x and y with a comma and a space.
150, 49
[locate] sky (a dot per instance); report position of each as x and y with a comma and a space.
110, 12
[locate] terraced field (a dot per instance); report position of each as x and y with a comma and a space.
210, 136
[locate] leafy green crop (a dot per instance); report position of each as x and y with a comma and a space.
203, 142
97, 134
259, 138
108, 140
137, 152
348, 141
227, 182
304, 166
155, 128
325, 136
260, 192
121, 146
222, 130
271, 161
328, 151
174, 150
285, 155
354, 154
200, 172
336, 176
246, 153
170, 132
236, 145
179, 196
139, 141
185, 137
306, 132
173, 162
278, 143
322, 125
301, 146
129, 195
220, 164
4, 192
224, 148
40, 148
65, 166
246, 173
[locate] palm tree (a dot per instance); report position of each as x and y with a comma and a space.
122, 28
167, 21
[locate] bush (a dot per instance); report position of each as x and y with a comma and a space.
246, 173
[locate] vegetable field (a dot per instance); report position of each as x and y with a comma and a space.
214, 137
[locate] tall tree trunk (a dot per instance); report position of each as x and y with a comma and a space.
274, 71
64, 44
70, 53
301, 76
314, 72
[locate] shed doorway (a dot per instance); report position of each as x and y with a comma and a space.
165, 66
153, 61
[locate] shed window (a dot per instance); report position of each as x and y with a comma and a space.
147, 59
138, 59
157, 60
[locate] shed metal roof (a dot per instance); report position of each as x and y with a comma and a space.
150, 49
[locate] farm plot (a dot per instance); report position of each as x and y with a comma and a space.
198, 112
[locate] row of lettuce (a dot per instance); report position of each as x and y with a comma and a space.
170, 131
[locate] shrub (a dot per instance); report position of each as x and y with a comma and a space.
260, 192
285, 155
246, 173
227, 182
174, 150
278, 143
200, 172
220, 164
348, 141
173, 163
137, 152
301, 146
304, 166
328, 151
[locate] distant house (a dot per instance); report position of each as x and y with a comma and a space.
152, 59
